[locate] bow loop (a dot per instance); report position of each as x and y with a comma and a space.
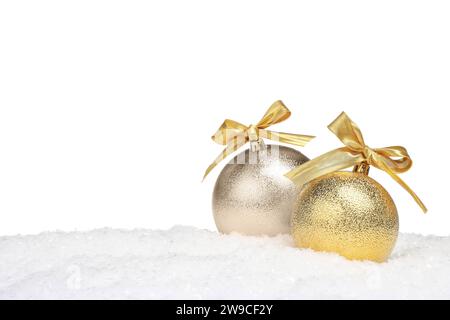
276, 113
348, 132
234, 134
229, 130
392, 160
396, 158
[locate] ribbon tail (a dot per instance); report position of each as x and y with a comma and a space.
332, 161
289, 138
404, 185
233, 145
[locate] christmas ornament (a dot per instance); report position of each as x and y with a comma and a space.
348, 212
251, 195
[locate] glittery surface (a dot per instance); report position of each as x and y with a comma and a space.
251, 195
347, 213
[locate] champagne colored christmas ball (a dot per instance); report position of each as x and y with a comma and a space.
252, 196
347, 213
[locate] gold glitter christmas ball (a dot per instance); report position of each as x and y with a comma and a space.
348, 213
252, 196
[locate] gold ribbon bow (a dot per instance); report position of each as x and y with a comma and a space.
234, 134
392, 160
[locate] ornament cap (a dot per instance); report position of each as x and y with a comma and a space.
257, 145
362, 167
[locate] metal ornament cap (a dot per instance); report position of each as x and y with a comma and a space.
252, 196
347, 213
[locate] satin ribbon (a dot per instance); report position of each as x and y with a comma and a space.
234, 134
392, 160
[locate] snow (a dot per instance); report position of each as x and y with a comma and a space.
189, 263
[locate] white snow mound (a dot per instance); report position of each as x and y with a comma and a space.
188, 263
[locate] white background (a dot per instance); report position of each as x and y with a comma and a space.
107, 107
